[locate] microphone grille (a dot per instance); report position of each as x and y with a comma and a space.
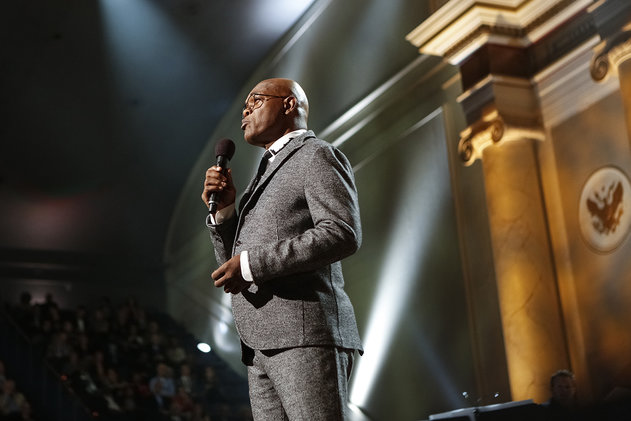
225, 147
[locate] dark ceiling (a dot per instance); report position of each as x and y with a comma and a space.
105, 108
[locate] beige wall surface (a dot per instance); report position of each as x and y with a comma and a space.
593, 139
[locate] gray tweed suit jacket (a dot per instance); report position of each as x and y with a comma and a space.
299, 221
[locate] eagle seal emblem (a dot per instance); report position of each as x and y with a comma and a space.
605, 209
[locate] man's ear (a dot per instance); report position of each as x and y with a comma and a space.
290, 103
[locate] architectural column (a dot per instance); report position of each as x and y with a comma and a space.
612, 56
505, 139
497, 46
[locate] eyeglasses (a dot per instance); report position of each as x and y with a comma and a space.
255, 100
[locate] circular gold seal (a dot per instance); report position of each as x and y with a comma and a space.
605, 209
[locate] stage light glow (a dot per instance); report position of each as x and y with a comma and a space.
439, 374
277, 13
224, 334
355, 413
138, 34
412, 230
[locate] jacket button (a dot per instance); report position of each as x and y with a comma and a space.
237, 243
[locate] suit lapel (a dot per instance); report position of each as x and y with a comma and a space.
280, 158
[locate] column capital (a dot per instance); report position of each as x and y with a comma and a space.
612, 19
609, 54
490, 130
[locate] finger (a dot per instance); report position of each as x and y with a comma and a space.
214, 173
210, 188
218, 172
228, 175
216, 185
219, 275
214, 179
229, 287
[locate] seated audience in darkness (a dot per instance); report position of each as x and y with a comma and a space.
108, 356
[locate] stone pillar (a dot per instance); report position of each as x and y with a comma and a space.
534, 337
525, 277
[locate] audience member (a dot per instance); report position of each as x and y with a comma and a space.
82, 346
97, 366
72, 366
25, 314
58, 351
113, 385
100, 324
43, 334
155, 348
210, 391
49, 308
141, 392
162, 386
26, 413
185, 379
199, 413
175, 353
3, 375
183, 402
11, 400
80, 320
562, 405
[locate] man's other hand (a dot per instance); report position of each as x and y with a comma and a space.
229, 276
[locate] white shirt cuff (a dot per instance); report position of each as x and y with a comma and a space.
246, 272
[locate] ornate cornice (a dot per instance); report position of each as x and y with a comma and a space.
461, 27
565, 88
491, 130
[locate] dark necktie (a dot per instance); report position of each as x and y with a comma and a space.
262, 167
259, 173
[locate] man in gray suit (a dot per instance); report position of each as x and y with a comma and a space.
280, 255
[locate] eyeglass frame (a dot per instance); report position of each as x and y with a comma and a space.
254, 106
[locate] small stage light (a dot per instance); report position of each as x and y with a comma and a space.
203, 347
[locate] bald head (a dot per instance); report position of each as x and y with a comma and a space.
274, 107
287, 87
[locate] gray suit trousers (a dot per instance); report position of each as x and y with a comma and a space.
300, 384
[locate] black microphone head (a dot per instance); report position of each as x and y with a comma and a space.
225, 147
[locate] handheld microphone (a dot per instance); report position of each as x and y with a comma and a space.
224, 150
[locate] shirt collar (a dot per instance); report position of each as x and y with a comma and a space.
283, 140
